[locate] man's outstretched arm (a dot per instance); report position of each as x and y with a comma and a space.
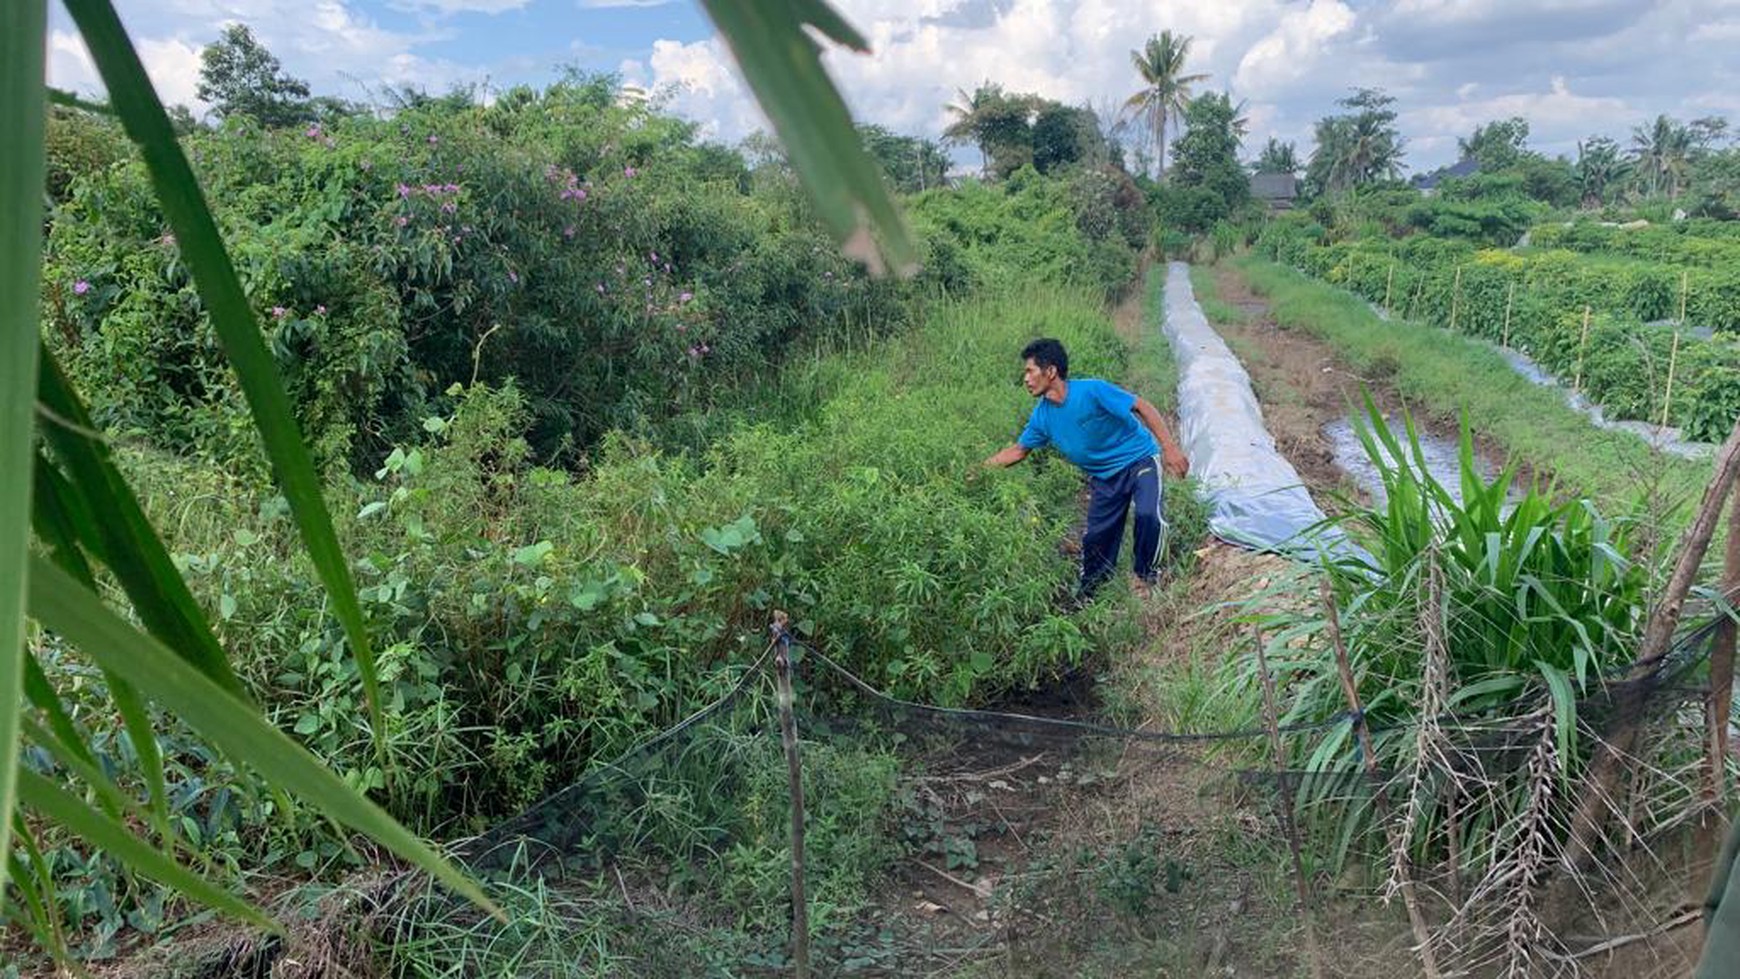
1007, 457
1171, 455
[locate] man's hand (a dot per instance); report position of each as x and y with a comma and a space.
1176, 465
1007, 457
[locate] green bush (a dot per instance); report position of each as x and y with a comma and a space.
590, 250
1030, 227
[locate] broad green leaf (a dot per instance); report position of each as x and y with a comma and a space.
224, 720
781, 61
22, 108
142, 115
103, 832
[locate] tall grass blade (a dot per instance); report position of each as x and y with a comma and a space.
22, 23
143, 117
66, 607
124, 538
782, 63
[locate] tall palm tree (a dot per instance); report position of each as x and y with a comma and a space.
1165, 87
1663, 150
968, 111
1600, 168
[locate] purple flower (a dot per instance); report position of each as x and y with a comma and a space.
278, 312
628, 172
314, 131
600, 288
706, 349
403, 220
404, 190
433, 140
450, 188
568, 232
513, 276
580, 194
653, 257
81, 287
320, 310
685, 297
694, 351
449, 208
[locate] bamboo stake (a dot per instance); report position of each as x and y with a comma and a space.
1398, 846
1509, 297
1684, 282
1582, 345
1455, 299
1389, 281
1722, 664
800, 915
1612, 752
1667, 400
1272, 717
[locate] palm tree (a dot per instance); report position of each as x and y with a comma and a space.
1600, 168
968, 111
1165, 87
1277, 157
1663, 150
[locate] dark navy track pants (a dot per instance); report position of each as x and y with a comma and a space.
1135, 488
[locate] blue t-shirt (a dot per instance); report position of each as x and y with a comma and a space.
1095, 427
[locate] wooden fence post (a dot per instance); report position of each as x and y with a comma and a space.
1684, 282
1509, 297
1389, 281
1667, 400
1272, 717
1455, 298
1398, 846
1582, 345
800, 912
1722, 664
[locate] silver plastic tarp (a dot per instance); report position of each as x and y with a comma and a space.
1256, 498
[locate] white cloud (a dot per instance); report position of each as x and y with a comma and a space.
609, 4
461, 6
1298, 46
70, 65
173, 65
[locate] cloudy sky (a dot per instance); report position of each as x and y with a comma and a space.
1571, 67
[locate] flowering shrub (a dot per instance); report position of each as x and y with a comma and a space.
586, 249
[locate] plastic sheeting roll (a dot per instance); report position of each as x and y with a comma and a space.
1256, 498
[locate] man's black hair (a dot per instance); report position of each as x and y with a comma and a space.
1048, 353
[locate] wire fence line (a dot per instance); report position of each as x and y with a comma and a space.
1684, 654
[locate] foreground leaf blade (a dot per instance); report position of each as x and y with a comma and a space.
62, 605
783, 66
22, 107
142, 115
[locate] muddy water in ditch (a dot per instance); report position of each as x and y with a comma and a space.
1441, 455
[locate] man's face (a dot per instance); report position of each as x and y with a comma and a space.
1037, 378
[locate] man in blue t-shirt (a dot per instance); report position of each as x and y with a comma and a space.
1119, 440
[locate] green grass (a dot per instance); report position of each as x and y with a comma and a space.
1449, 374
1217, 310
